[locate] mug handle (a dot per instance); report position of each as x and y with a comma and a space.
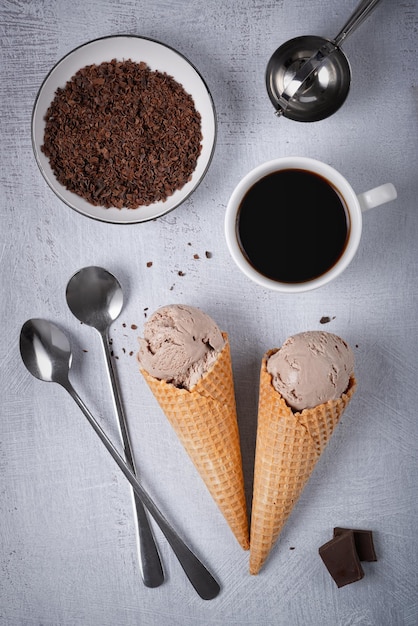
377, 196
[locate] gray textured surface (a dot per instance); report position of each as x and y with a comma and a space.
67, 548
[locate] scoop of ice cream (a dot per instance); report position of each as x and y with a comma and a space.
311, 368
180, 344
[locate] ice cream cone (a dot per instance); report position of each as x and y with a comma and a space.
205, 421
287, 449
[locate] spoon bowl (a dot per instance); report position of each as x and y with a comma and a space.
45, 351
95, 297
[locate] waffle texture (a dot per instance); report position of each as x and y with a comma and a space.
288, 447
205, 421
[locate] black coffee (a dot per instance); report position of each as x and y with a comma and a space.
292, 226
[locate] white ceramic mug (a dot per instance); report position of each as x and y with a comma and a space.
354, 204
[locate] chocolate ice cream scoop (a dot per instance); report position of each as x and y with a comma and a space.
180, 344
311, 368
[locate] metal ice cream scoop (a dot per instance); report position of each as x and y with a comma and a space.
308, 78
46, 353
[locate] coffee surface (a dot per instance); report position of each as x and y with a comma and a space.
292, 226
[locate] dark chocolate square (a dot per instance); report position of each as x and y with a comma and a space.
341, 559
363, 540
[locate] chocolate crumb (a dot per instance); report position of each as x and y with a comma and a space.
124, 325
149, 264
196, 256
325, 319
134, 326
181, 273
85, 350
123, 350
172, 287
131, 353
208, 254
292, 548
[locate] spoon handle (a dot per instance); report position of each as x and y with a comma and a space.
360, 13
149, 558
201, 579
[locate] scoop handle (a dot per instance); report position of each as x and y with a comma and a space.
360, 13
377, 196
200, 577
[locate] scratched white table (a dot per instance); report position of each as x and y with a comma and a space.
67, 542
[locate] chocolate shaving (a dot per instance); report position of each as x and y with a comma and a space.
121, 135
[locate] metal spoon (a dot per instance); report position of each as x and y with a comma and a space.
308, 78
46, 353
95, 297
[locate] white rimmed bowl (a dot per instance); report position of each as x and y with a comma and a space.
157, 56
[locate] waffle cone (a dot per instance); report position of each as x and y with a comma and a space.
205, 421
288, 447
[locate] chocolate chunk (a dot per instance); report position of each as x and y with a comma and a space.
341, 559
363, 540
